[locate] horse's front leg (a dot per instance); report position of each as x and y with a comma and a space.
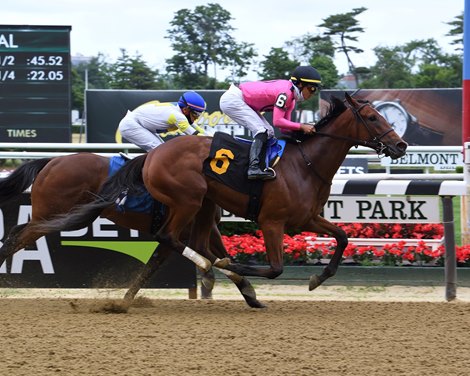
273, 234
320, 225
214, 250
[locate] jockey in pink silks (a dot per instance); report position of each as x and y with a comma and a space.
245, 103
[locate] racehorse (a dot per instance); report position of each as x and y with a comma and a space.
173, 174
59, 184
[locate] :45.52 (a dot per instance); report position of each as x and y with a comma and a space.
45, 60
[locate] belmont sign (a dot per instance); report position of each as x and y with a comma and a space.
439, 160
363, 209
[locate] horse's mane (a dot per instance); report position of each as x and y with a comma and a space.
336, 107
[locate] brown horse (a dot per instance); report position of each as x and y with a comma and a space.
173, 174
64, 182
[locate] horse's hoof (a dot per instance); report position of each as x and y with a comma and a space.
254, 303
208, 283
222, 263
206, 295
314, 282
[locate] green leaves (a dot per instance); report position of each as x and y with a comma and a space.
201, 39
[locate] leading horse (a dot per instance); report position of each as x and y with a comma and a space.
59, 184
173, 174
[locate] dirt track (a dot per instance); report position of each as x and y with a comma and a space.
71, 336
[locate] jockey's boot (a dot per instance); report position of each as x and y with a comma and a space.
256, 155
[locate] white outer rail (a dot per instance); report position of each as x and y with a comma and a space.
108, 146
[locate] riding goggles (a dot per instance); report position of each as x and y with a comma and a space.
195, 114
312, 88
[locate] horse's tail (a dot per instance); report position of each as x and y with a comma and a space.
20, 179
128, 177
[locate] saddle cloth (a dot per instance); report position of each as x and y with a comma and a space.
228, 161
142, 203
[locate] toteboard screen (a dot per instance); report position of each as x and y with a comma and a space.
35, 83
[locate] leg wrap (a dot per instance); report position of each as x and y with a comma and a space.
195, 257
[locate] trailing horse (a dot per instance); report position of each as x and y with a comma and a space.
174, 175
59, 184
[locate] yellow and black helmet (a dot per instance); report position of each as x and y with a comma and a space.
307, 75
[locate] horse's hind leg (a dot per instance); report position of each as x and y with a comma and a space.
207, 283
12, 244
156, 260
169, 235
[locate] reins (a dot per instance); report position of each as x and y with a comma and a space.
375, 143
309, 163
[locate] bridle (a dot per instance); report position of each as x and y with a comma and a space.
374, 143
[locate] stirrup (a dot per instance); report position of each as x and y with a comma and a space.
271, 170
266, 174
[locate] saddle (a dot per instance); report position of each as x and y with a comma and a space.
228, 164
142, 202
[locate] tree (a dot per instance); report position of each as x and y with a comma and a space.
201, 38
240, 58
78, 90
94, 74
132, 73
307, 46
342, 26
392, 70
97, 72
277, 65
457, 31
327, 69
419, 63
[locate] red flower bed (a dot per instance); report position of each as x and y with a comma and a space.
299, 250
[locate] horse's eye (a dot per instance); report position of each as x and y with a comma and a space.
372, 118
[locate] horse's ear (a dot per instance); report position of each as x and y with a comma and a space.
349, 98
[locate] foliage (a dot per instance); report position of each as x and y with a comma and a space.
202, 37
78, 90
277, 65
390, 71
132, 73
416, 64
457, 31
98, 72
342, 26
329, 74
301, 249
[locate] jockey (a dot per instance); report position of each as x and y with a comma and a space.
244, 104
142, 125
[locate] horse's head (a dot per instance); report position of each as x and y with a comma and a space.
374, 131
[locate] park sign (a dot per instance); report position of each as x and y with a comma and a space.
447, 160
367, 209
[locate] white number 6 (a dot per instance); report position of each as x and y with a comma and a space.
281, 100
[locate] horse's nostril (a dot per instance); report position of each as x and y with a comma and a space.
402, 146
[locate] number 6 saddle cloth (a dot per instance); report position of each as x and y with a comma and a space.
228, 163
